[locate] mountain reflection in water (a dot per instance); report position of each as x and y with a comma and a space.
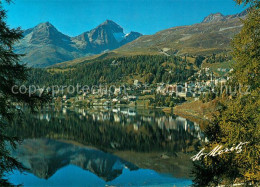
112, 144
43, 157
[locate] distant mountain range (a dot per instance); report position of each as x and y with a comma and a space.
44, 45
212, 35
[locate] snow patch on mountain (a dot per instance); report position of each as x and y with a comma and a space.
127, 35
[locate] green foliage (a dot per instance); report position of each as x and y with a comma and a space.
166, 101
171, 104
156, 68
252, 3
198, 60
209, 96
246, 51
11, 73
238, 122
238, 119
217, 58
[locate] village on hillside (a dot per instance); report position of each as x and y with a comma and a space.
154, 95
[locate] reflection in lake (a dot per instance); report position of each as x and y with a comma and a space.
45, 156
97, 146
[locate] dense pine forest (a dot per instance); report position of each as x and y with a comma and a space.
152, 69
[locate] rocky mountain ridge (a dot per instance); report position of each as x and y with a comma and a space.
217, 17
212, 35
44, 45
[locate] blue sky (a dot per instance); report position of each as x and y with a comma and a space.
72, 17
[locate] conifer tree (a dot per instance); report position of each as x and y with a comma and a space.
11, 73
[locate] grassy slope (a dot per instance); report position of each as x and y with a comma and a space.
203, 39
197, 110
214, 67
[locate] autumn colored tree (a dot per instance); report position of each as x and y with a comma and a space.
239, 119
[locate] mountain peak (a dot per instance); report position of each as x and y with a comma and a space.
45, 29
45, 24
106, 30
108, 21
49, 46
217, 17
213, 18
111, 24
130, 37
46, 33
133, 32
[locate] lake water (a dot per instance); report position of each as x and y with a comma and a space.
105, 147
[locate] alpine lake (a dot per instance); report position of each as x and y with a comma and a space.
102, 146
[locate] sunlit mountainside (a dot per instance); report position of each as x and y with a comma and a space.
212, 36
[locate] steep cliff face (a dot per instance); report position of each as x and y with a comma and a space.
106, 36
